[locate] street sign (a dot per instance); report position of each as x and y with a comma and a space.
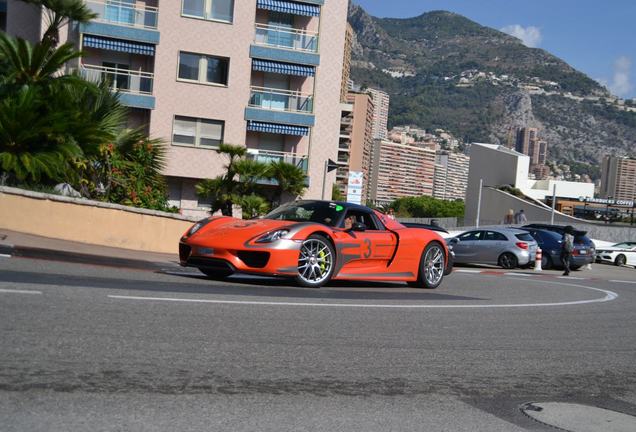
354, 187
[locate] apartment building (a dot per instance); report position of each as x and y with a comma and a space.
528, 143
257, 73
399, 170
356, 140
380, 113
451, 175
618, 178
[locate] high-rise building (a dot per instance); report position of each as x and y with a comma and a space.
618, 178
200, 73
528, 143
346, 64
399, 170
356, 139
380, 113
451, 175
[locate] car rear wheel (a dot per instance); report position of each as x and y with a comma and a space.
432, 266
316, 262
620, 260
216, 273
546, 262
508, 261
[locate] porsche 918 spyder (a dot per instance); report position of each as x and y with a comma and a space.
315, 242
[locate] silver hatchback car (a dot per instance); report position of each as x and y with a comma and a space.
505, 247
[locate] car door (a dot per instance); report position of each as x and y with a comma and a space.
375, 245
492, 245
468, 247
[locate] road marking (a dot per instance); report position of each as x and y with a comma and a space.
609, 296
5, 256
466, 271
570, 277
621, 281
15, 291
520, 274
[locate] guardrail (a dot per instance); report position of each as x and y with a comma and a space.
287, 38
281, 100
125, 13
122, 80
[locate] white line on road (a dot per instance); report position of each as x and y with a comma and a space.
621, 281
609, 296
5, 256
570, 277
15, 291
466, 271
520, 274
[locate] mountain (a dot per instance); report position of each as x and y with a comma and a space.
445, 71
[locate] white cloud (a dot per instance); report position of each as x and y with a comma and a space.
530, 36
621, 84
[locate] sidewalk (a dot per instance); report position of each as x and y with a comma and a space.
32, 246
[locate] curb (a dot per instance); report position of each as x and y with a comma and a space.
81, 258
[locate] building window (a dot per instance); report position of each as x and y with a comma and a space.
197, 132
201, 68
217, 10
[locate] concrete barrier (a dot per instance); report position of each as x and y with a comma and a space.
91, 222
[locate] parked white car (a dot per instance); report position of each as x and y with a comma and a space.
619, 254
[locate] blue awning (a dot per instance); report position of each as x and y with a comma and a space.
100, 42
275, 128
282, 68
289, 7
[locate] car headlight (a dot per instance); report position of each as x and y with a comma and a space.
197, 226
272, 236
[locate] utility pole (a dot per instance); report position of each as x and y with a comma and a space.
553, 204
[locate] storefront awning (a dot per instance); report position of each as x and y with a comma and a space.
283, 68
131, 47
275, 128
289, 7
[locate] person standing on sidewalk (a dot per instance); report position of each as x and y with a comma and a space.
567, 246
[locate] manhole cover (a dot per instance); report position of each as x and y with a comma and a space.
579, 418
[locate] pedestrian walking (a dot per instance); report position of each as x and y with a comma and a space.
522, 218
567, 246
509, 218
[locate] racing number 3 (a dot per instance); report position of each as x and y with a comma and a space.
366, 248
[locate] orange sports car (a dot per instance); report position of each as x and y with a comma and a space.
315, 242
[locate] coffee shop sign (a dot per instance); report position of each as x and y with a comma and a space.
611, 202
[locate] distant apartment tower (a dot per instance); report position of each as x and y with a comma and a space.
201, 73
346, 64
451, 175
528, 143
380, 113
400, 170
618, 178
356, 139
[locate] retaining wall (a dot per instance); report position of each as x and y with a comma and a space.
91, 222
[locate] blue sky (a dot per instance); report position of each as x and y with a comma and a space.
597, 37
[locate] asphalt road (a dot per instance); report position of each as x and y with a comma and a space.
104, 349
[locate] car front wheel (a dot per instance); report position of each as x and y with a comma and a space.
620, 260
432, 267
316, 262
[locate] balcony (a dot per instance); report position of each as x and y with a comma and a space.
281, 100
125, 13
135, 87
269, 156
286, 38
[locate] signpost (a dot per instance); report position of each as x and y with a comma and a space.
354, 187
329, 166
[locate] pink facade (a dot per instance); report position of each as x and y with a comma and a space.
315, 97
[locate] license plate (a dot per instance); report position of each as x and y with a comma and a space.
583, 252
206, 251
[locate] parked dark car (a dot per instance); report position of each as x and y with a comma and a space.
549, 238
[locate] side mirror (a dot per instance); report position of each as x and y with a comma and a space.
358, 226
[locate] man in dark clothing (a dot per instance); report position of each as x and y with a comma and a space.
567, 246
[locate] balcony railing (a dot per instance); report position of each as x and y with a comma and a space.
287, 38
121, 80
125, 13
269, 156
281, 100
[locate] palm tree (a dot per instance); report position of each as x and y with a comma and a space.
289, 178
249, 172
59, 13
253, 206
216, 191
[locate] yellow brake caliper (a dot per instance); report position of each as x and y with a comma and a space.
322, 256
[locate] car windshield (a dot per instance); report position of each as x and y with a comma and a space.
323, 212
624, 245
